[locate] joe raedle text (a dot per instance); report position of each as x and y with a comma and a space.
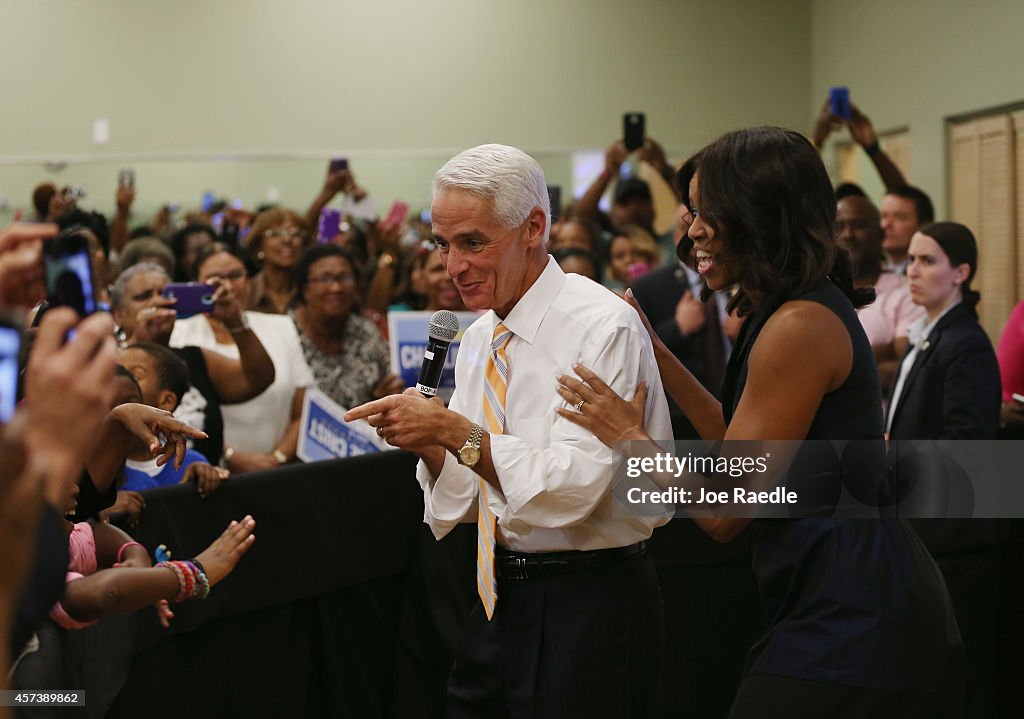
702, 496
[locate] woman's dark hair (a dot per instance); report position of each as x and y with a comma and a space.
961, 248
766, 191
565, 253
179, 243
313, 255
217, 248
92, 221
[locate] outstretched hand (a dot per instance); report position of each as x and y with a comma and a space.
603, 412
407, 421
147, 424
220, 558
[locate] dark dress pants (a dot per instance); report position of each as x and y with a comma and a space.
586, 643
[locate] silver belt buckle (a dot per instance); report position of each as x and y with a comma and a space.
520, 570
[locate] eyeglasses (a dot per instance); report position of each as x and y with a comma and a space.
233, 276
293, 233
328, 280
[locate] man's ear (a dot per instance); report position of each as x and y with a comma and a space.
536, 225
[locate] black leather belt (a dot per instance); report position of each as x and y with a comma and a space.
519, 565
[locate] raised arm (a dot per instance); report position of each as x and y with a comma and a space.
242, 379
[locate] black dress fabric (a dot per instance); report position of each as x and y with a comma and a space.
848, 601
200, 407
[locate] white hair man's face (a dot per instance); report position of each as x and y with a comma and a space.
487, 262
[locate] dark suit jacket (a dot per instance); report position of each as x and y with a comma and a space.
658, 294
953, 391
681, 543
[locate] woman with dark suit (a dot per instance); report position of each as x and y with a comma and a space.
948, 387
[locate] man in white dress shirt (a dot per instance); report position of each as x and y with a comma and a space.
570, 617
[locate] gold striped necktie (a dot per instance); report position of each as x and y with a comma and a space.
495, 388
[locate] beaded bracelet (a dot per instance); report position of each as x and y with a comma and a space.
192, 580
180, 575
120, 552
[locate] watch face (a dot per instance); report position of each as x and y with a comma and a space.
469, 456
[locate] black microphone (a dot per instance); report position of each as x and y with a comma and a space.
444, 325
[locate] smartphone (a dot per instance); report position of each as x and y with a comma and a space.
67, 268
207, 202
192, 297
337, 165
126, 177
329, 226
10, 346
555, 197
633, 130
1018, 398
839, 102
396, 215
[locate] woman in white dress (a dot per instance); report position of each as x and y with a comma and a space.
263, 432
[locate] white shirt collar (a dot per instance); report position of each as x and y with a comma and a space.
919, 329
526, 315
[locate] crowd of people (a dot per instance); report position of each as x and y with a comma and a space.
767, 264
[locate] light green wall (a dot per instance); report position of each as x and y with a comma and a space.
914, 63
397, 85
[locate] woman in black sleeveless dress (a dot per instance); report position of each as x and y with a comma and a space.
859, 621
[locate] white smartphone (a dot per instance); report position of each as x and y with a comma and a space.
1018, 398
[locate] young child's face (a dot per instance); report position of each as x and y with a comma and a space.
143, 368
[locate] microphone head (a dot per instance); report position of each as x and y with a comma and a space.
444, 325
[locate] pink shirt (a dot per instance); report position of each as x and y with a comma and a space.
1010, 353
892, 312
82, 548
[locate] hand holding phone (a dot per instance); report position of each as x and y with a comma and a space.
126, 177
337, 165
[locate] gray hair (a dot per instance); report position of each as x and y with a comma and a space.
117, 289
151, 249
508, 177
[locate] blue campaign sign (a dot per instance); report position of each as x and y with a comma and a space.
323, 434
407, 333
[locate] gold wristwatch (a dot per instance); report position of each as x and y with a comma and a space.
469, 454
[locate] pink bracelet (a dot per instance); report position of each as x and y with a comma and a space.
120, 552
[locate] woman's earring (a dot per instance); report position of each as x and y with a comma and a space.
260, 255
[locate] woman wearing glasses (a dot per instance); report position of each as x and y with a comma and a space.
345, 351
263, 432
277, 240
859, 623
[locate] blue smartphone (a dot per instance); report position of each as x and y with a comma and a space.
839, 102
10, 345
192, 297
